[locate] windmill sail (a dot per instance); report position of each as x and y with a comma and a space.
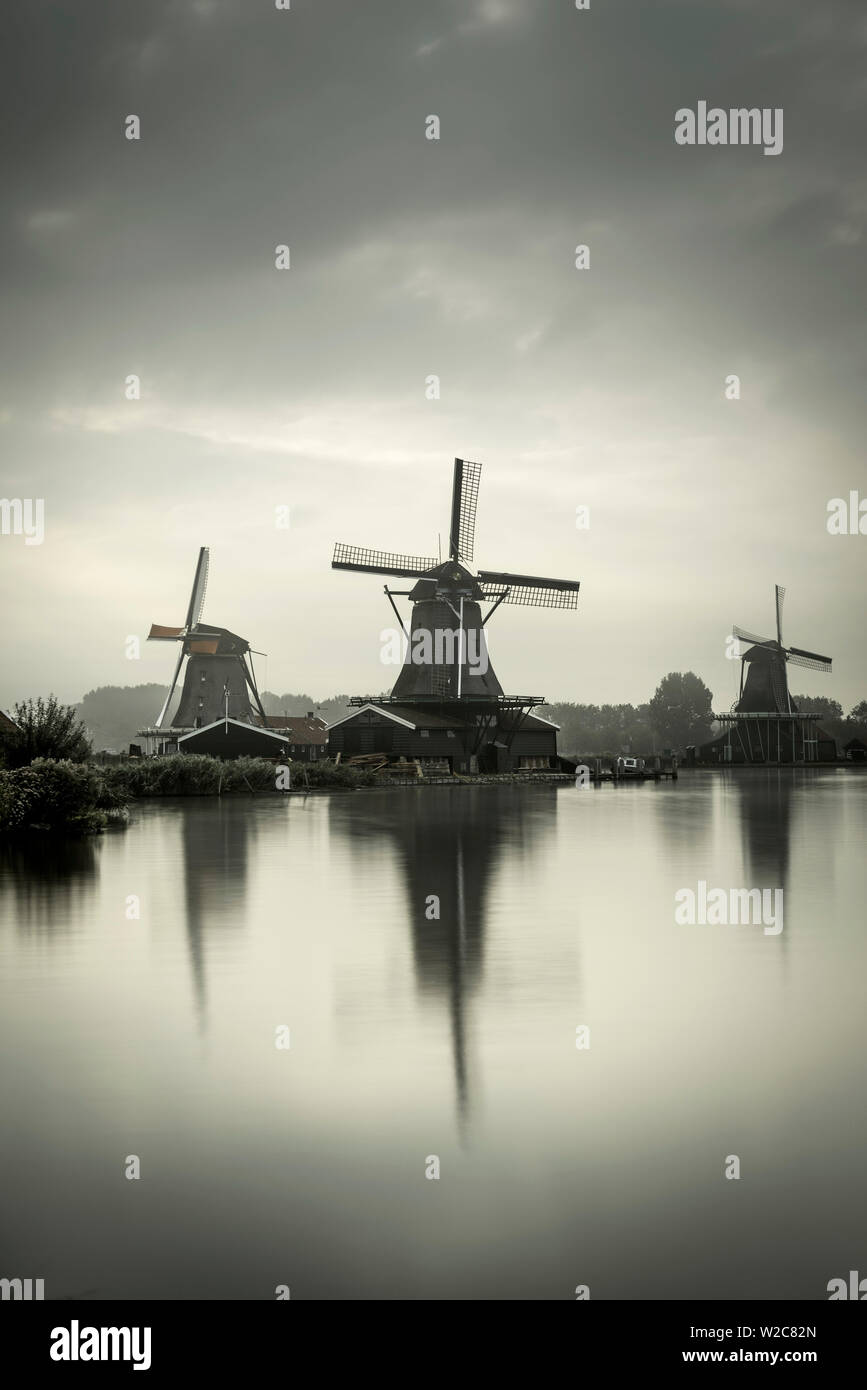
745, 636
811, 660
465, 496
164, 710
530, 590
780, 687
358, 557
200, 584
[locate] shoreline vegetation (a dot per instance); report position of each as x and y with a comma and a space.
58, 795
85, 798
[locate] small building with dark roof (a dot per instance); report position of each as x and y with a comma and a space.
527, 741
488, 741
307, 735
234, 738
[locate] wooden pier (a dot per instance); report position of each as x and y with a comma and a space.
437, 773
654, 769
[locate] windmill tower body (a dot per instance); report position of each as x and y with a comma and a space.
446, 602
214, 686
766, 686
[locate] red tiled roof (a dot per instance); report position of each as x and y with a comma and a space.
299, 728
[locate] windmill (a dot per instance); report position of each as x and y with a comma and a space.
219, 679
764, 724
766, 689
447, 642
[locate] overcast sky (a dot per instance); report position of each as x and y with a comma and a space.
305, 387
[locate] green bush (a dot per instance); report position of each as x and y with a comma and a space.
45, 729
16, 798
326, 774
53, 795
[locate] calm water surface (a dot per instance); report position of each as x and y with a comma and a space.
413, 1037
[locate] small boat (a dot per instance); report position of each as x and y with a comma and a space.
629, 767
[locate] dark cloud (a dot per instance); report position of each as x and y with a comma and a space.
409, 258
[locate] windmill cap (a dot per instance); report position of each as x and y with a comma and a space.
449, 575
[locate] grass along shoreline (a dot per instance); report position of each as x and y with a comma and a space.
85, 798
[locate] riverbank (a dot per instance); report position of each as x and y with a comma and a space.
85, 798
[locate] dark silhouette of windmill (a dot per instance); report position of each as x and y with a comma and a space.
447, 599
766, 689
764, 724
219, 679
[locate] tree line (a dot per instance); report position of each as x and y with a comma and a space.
679, 713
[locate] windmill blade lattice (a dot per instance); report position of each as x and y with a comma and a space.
810, 660
751, 637
465, 496
529, 590
359, 557
200, 585
780, 595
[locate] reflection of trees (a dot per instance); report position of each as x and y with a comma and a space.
50, 877
448, 843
